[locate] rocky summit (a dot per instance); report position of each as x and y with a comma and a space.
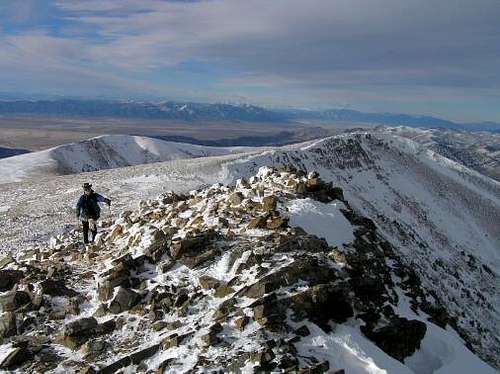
224, 279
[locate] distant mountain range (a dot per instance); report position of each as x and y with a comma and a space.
188, 111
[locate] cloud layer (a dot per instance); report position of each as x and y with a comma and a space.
417, 55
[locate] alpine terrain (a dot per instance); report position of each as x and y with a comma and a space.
365, 252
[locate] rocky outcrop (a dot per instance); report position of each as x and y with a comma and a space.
185, 283
400, 338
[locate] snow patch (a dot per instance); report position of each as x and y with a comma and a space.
323, 220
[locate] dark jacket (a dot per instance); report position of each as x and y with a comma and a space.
88, 206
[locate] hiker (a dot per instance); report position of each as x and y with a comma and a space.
89, 211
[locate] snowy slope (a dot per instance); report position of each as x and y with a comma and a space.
442, 217
478, 151
103, 152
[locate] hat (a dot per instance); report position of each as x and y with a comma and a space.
87, 186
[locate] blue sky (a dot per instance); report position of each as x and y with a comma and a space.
437, 58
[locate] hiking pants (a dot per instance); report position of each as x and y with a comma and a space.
86, 225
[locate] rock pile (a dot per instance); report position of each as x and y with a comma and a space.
216, 280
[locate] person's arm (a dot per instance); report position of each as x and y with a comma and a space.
102, 199
79, 206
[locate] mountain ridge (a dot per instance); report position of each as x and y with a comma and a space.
223, 279
191, 111
438, 216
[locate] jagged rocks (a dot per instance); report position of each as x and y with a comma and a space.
241, 322
158, 245
124, 300
207, 282
269, 203
319, 368
236, 198
275, 223
132, 359
195, 250
4, 261
8, 278
269, 313
307, 269
263, 357
211, 338
82, 326
273, 284
57, 288
78, 332
12, 300
17, 356
7, 325
400, 338
257, 223
321, 304
224, 309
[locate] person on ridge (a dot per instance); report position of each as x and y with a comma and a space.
89, 211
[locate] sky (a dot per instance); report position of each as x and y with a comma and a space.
426, 57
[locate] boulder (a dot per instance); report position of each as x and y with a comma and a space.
225, 309
276, 223
241, 322
193, 261
124, 300
159, 325
263, 357
236, 198
12, 300
7, 325
223, 291
207, 282
4, 261
133, 359
8, 278
190, 246
157, 247
82, 326
269, 203
16, 357
399, 339
321, 304
117, 232
57, 288
303, 331
257, 223
165, 265
319, 368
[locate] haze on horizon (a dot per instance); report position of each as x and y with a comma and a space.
416, 56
